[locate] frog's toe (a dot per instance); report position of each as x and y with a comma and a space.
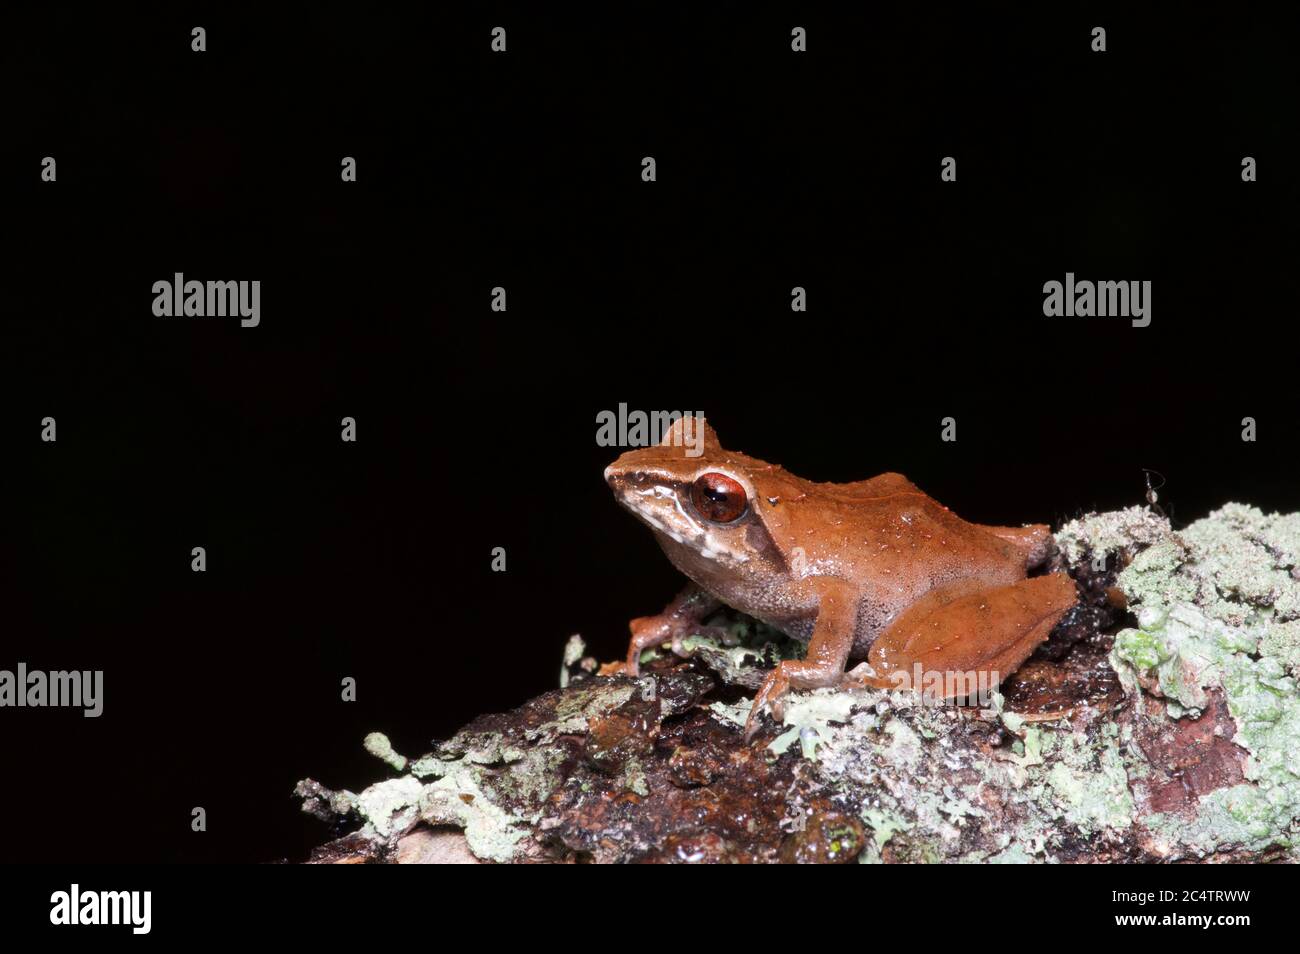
772, 695
864, 676
716, 633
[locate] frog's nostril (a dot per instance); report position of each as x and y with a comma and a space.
609, 474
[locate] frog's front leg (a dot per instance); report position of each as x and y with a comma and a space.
828, 651
680, 618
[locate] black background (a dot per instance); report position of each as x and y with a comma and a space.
476, 429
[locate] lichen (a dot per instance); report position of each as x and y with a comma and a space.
1090, 787
1213, 607
1102, 533
1064, 768
580, 704
325, 803
573, 651
1282, 642
735, 713
458, 799
377, 744
739, 654
429, 766
532, 777
1013, 854
809, 717
390, 804
884, 825
1237, 565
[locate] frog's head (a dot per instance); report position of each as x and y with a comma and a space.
697, 497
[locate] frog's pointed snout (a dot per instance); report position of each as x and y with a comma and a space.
619, 474
616, 478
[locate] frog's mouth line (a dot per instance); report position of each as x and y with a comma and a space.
701, 538
636, 498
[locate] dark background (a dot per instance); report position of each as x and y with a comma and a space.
476, 429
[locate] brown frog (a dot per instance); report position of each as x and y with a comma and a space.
874, 569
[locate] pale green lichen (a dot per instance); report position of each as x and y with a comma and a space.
884, 825
482, 748
481, 777
737, 655
904, 747
429, 766
532, 778
1245, 558
1140, 649
1012, 720
809, 717
377, 744
1263, 703
390, 804
1013, 854
1241, 816
1237, 565
634, 779
957, 808
573, 651
736, 713
1102, 533
577, 707
1282, 641
323, 802
458, 798
1091, 787
1028, 751
1216, 606
736, 665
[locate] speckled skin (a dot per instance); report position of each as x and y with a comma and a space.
843, 567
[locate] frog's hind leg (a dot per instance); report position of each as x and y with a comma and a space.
1034, 540
962, 634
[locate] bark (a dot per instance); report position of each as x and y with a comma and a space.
1159, 723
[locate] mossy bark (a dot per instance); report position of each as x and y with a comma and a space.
1159, 723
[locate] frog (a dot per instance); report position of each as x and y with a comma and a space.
874, 570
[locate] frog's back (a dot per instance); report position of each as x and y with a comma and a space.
895, 542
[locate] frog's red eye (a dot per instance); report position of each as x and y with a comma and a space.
718, 498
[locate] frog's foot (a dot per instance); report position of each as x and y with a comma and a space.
823, 665
680, 618
791, 674
772, 694
715, 633
863, 676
